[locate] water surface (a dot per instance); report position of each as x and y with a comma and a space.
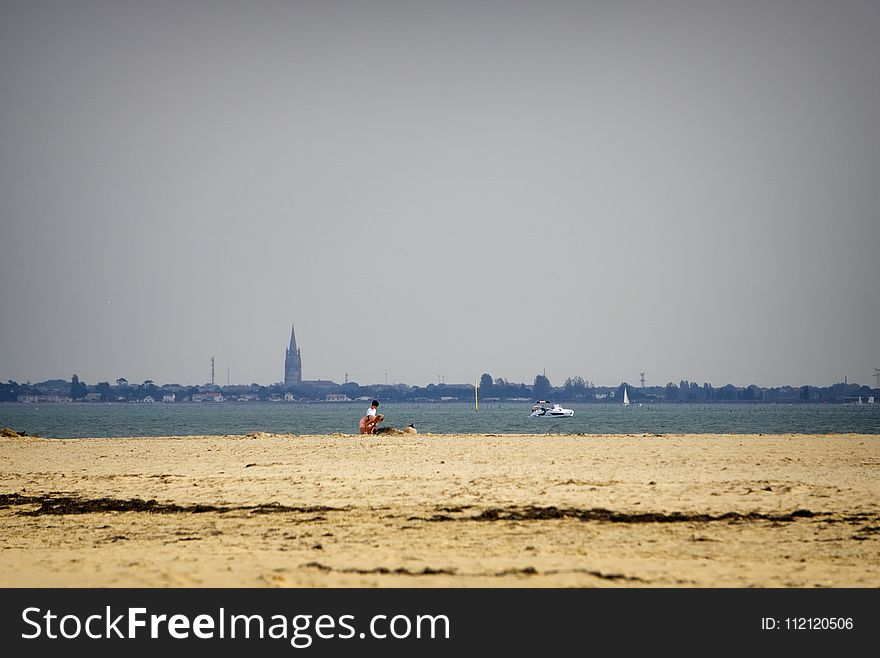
179, 419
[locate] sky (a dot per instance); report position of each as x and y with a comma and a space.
434, 190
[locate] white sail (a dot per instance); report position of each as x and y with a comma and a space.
625, 397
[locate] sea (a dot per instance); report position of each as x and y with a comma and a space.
76, 420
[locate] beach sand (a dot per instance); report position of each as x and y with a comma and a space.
430, 510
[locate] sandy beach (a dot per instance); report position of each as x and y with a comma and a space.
430, 510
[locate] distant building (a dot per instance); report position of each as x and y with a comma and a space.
92, 397
292, 363
289, 397
321, 383
337, 397
208, 396
169, 397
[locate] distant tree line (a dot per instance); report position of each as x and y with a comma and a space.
573, 389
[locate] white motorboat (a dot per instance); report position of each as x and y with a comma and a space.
544, 409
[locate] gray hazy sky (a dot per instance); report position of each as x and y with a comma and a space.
690, 189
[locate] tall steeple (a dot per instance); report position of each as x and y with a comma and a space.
292, 363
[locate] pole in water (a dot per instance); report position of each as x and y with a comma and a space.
476, 398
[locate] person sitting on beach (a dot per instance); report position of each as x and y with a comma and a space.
368, 426
368, 423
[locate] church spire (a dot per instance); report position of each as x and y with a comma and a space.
292, 363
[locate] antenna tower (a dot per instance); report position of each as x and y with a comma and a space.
876, 377
212, 371
642, 380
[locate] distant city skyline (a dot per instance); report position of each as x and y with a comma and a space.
558, 382
292, 376
438, 190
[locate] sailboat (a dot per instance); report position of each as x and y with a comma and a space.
625, 398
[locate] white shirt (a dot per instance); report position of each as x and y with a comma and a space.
371, 411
